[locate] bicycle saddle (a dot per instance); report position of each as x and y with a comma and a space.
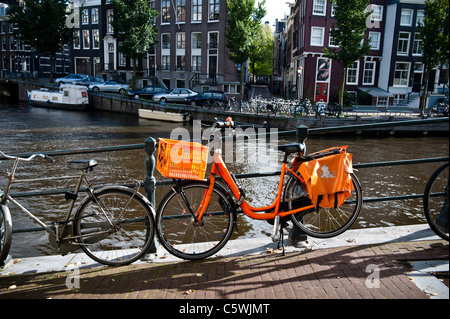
292, 148
82, 164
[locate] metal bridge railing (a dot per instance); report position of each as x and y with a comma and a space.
150, 146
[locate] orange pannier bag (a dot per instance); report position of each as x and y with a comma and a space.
328, 178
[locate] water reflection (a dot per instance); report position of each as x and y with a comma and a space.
25, 129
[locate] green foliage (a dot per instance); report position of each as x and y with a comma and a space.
244, 24
261, 56
434, 33
133, 24
42, 24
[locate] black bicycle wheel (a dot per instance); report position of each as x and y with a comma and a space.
185, 237
436, 201
116, 228
5, 234
322, 222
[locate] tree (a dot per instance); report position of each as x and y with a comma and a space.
244, 24
135, 29
434, 33
41, 24
348, 34
261, 54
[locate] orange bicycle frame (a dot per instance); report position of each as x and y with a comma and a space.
262, 213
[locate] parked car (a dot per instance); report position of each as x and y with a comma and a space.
147, 92
209, 99
176, 95
89, 81
110, 86
71, 78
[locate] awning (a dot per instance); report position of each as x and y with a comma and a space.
376, 91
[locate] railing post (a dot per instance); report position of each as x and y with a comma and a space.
296, 235
150, 180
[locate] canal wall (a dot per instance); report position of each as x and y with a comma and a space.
123, 104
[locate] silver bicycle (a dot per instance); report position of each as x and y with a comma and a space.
113, 225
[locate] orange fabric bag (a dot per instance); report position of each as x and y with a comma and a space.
328, 179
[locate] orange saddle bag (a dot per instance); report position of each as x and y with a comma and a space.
328, 178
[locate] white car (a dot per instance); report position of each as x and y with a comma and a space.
176, 95
110, 86
71, 78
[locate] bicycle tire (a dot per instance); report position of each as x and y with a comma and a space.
131, 233
181, 235
434, 209
322, 222
5, 234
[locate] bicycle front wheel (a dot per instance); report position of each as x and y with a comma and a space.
184, 236
116, 227
436, 201
5, 234
322, 222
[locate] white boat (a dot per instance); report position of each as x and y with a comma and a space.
161, 116
69, 97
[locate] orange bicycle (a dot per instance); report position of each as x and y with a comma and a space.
196, 218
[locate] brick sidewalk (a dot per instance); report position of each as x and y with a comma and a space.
334, 273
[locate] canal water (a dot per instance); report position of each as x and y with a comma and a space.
25, 129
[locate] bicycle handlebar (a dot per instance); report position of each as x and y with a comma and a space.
48, 158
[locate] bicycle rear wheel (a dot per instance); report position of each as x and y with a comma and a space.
436, 201
116, 227
185, 237
5, 234
322, 222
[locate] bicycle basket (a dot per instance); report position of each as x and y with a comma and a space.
181, 160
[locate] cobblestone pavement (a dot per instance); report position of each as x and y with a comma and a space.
377, 271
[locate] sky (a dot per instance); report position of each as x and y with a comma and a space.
276, 10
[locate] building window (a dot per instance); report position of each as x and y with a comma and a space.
214, 7
122, 59
181, 62
403, 43
196, 63
406, 17
332, 41
181, 40
196, 10
86, 39
369, 73
196, 40
94, 13
401, 74
85, 16
418, 44
420, 17
320, 7
374, 38
181, 10
95, 39
165, 41
76, 39
377, 13
213, 40
317, 34
166, 62
352, 73
165, 11
382, 100
109, 20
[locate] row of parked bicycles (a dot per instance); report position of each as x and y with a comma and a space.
277, 106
